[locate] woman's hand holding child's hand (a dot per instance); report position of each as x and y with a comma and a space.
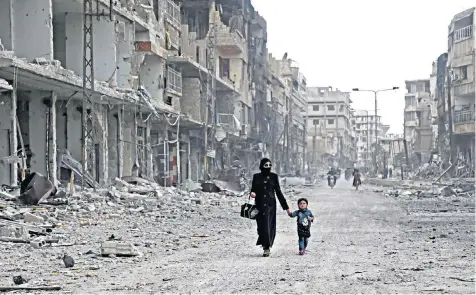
289, 211
310, 218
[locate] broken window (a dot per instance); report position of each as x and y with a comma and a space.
315, 122
420, 87
224, 67
168, 100
315, 108
331, 108
464, 72
173, 13
341, 108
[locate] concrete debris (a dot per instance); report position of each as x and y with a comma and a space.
454, 188
68, 261
52, 223
34, 189
117, 249
32, 218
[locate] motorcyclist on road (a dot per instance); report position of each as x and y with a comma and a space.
331, 174
357, 180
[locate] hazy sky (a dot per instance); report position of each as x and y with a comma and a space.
362, 44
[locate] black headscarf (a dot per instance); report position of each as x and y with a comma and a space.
264, 171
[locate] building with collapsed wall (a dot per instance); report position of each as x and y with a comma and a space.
329, 118
418, 119
161, 69
462, 66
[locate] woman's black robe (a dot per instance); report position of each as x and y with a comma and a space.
265, 186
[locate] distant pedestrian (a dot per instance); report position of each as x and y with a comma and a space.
304, 219
390, 172
263, 188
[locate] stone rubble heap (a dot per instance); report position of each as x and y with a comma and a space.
124, 220
462, 187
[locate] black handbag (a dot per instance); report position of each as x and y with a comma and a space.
249, 210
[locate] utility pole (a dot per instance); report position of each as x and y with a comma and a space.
376, 132
211, 89
314, 146
376, 117
88, 151
88, 89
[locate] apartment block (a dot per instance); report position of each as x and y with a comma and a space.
462, 65
329, 117
418, 118
366, 126
173, 90
125, 52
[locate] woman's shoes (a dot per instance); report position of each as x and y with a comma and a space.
266, 253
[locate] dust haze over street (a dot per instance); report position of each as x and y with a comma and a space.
362, 242
135, 133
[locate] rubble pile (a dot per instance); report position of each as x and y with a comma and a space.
461, 187
123, 221
426, 171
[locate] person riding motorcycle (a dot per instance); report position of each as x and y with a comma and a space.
331, 174
357, 180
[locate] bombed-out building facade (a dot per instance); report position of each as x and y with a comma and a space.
166, 89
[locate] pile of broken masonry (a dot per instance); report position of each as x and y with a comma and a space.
53, 219
457, 187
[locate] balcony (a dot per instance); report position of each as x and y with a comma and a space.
150, 47
464, 121
463, 34
230, 42
464, 89
229, 123
172, 14
174, 82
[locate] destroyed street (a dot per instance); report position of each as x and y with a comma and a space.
237, 147
174, 241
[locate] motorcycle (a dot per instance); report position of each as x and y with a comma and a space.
357, 183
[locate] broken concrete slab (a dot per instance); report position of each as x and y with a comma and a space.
32, 218
114, 248
35, 188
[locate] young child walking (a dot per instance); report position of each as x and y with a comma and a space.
304, 219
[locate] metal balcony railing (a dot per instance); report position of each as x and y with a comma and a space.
463, 33
173, 13
174, 80
462, 117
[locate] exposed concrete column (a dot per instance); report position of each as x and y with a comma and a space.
112, 143
13, 139
37, 131
150, 152
103, 164
120, 135
52, 153
135, 159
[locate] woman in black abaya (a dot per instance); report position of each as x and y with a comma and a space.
263, 188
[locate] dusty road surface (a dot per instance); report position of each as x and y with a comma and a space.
362, 242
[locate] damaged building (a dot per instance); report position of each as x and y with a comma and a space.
461, 64
329, 126
166, 89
